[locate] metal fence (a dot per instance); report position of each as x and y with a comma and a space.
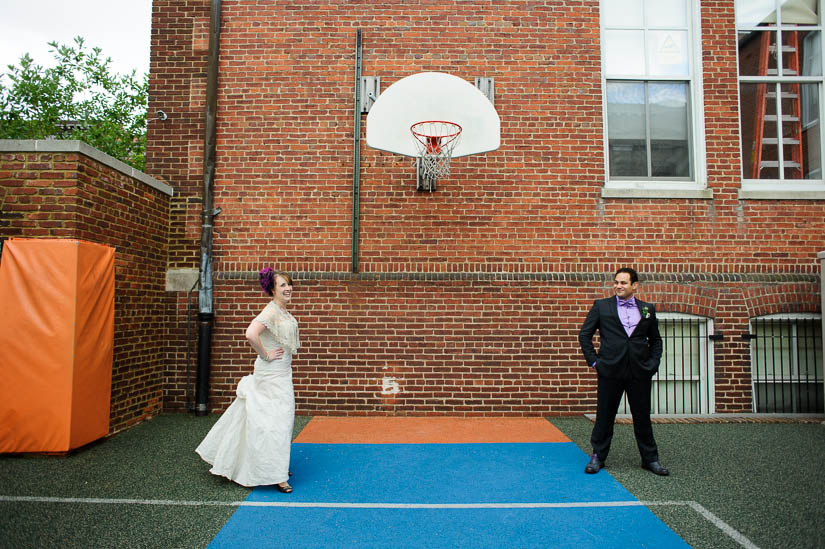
684, 382
786, 365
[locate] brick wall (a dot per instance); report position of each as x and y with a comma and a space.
469, 298
71, 193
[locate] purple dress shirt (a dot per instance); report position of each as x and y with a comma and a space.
629, 314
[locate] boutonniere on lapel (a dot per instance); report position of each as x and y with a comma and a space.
645, 312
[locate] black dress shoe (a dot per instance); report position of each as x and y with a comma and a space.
656, 468
595, 465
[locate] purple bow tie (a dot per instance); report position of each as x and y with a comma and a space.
627, 302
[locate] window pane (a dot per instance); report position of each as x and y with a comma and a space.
809, 398
669, 151
796, 12
811, 146
682, 341
750, 13
773, 350
667, 53
626, 129
755, 57
800, 131
810, 53
759, 131
624, 52
803, 398
809, 345
676, 397
792, 131
622, 13
666, 13
773, 398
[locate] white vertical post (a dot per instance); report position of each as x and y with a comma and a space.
821, 257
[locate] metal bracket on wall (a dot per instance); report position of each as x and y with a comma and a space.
370, 90
487, 86
423, 183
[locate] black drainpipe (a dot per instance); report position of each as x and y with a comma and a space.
205, 315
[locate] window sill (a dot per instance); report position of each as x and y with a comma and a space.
655, 190
766, 192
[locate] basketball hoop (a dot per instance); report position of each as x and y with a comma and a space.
435, 141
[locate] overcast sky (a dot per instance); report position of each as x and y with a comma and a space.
121, 28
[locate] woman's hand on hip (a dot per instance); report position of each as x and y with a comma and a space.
275, 354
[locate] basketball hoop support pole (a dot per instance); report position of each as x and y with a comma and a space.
356, 160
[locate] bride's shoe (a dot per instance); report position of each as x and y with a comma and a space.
284, 487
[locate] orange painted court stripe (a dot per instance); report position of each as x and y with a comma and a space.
424, 430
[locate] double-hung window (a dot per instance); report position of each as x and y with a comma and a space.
652, 98
786, 359
780, 98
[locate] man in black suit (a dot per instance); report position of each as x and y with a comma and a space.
629, 353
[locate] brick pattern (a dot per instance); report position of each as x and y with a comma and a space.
457, 305
57, 195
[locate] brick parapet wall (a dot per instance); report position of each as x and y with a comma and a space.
528, 217
70, 195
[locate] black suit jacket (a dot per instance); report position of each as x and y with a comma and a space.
620, 355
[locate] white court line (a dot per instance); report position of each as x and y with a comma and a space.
719, 523
313, 504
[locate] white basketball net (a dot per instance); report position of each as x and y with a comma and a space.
435, 140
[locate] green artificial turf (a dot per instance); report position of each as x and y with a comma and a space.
765, 480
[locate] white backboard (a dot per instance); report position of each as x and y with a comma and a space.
433, 96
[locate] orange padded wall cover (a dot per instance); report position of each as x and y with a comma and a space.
57, 336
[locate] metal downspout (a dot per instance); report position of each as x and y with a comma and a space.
356, 169
205, 315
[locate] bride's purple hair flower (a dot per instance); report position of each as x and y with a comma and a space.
266, 277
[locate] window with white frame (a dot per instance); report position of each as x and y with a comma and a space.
780, 90
786, 364
650, 91
684, 382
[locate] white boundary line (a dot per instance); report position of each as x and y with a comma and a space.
719, 523
313, 504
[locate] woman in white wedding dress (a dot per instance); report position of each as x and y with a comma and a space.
250, 443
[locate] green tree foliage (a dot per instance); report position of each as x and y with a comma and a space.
79, 98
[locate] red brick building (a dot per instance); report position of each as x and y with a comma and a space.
627, 139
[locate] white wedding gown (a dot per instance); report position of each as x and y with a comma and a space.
251, 441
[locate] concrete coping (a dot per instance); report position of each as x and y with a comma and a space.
722, 418
76, 146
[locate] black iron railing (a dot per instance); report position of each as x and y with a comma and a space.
786, 365
684, 382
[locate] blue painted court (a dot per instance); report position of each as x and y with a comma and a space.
494, 494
